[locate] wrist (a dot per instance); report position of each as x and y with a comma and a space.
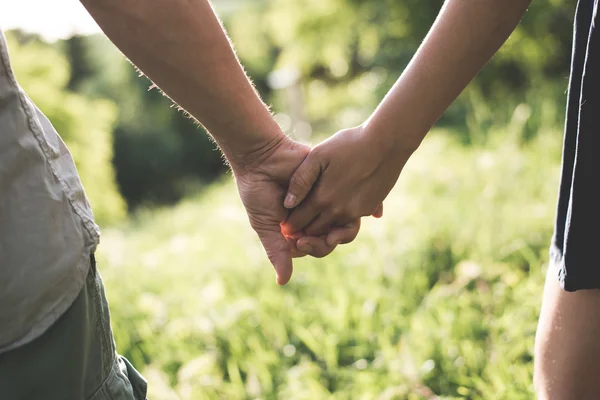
247, 154
399, 142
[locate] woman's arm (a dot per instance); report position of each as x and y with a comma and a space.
351, 173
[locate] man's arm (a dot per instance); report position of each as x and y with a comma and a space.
359, 166
181, 46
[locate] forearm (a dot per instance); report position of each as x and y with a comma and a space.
465, 36
181, 46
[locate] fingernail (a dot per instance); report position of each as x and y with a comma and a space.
290, 200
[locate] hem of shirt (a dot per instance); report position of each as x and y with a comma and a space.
566, 281
40, 326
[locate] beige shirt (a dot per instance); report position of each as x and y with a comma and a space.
47, 229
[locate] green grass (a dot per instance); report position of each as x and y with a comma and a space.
440, 297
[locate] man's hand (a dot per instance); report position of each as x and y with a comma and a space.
350, 174
183, 48
262, 179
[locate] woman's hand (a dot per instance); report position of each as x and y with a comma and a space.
341, 180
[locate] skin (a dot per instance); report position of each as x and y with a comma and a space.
181, 46
331, 188
348, 175
567, 350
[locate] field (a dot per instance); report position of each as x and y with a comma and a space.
439, 299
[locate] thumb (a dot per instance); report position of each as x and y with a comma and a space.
278, 251
302, 181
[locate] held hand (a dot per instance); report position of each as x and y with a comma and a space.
342, 179
262, 179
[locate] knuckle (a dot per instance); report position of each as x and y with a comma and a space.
300, 181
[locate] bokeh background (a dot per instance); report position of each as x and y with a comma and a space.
438, 300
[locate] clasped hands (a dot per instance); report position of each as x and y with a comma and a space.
303, 201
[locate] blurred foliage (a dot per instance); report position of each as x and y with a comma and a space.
84, 124
439, 298
350, 52
158, 151
346, 54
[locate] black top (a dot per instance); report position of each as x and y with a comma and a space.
577, 231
